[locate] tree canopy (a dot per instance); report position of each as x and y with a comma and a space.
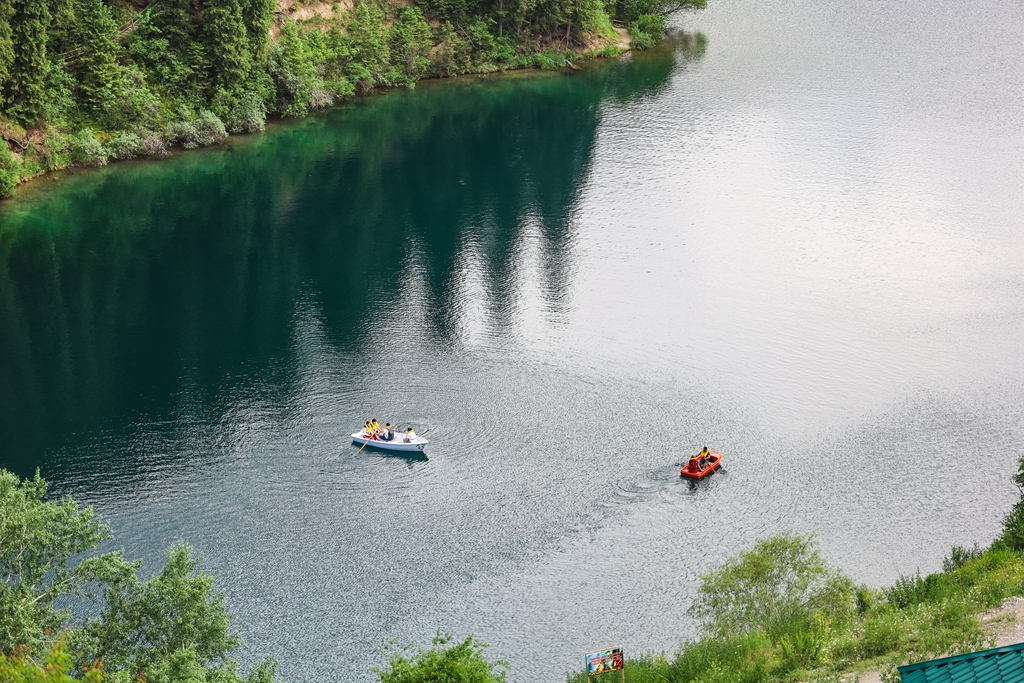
461, 662
46, 552
173, 627
783, 581
85, 81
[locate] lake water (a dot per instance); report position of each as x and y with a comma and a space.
794, 233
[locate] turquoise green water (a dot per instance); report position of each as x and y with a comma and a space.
792, 233
121, 284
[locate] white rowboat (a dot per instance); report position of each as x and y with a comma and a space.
397, 444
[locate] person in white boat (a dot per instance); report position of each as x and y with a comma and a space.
409, 435
388, 434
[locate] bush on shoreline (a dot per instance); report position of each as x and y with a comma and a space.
779, 613
463, 662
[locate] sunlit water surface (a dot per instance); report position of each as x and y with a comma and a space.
793, 233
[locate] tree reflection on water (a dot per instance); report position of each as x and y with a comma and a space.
121, 286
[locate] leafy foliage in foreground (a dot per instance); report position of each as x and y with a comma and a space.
463, 662
173, 627
37, 543
782, 584
54, 668
778, 613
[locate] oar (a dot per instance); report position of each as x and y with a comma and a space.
363, 446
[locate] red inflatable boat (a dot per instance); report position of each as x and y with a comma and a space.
692, 472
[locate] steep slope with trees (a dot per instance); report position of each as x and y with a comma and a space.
86, 81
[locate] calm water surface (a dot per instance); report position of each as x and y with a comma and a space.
794, 233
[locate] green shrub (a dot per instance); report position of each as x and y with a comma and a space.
249, 114
151, 145
881, 633
782, 582
639, 41
86, 150
452, 56
371, 53
10, 174
749, 658
645, 30
134, 105
959, 556
202, 131
59, 106
606, 52
292, 67
913, 590
866, 599
123, 145
502, 52
993, 576
463, 662
590, 18
948, 627
1013, 524
549, 59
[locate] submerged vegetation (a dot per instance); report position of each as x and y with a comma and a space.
777, 612
86, 81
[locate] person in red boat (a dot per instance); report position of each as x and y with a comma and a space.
694, 464
704, 458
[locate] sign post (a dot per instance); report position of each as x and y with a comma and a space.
606, 661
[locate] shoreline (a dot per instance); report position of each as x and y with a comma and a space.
608, 51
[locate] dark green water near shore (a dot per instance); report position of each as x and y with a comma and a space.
792, 233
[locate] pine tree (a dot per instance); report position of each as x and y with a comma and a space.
369, 35
99, 72
227, 46
258, 15
25, 91
175, 21
6, 44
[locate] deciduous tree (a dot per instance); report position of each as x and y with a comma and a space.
463, 662
784, 581
47, 551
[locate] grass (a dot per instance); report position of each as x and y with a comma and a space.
778, 613
915, 619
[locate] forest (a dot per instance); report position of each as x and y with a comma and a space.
83, 82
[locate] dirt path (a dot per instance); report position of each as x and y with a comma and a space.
624, 40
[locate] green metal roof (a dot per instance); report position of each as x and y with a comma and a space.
1001, 665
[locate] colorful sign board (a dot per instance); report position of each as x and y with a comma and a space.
604, 661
